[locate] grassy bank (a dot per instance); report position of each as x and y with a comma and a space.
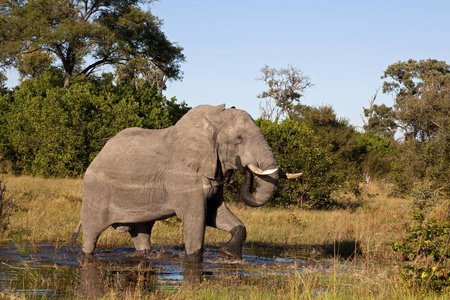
48, 210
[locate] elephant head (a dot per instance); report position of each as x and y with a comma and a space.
215, 141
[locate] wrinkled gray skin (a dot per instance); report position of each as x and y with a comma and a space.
142, 176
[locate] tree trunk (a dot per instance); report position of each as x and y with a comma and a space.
67, 81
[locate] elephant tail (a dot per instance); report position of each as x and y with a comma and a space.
75, 235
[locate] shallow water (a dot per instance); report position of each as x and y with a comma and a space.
52, 270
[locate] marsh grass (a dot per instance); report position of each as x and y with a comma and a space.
349, 247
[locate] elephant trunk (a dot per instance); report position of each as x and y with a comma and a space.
258, 189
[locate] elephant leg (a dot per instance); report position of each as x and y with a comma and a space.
220, 217
140, 233
194, 232
90, 237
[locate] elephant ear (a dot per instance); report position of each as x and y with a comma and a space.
193, 139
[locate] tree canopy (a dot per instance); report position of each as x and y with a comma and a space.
47, 130
285, 86
380, 119
79, 36
421, 109
422, 98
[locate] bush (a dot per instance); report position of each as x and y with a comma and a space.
427, 248
417, 161
49, 131
297, 149
374, 156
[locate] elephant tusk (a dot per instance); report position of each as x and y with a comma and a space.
290, 175
258, 171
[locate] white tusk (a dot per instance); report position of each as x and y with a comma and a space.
293, 176
290, 175
258, 171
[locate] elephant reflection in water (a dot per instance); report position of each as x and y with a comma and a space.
142, 175
96, 279
90, 281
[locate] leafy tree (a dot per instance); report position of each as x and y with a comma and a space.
141, 71
83, 35
2, 82
332, 130
32, 64
375, 155
422, 110
338, 134
422, 100
285, 86
51, 131
380, 119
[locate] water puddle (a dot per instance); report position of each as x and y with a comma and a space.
51, 270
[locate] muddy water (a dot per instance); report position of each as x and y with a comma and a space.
51, 270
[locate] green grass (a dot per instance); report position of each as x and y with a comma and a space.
47, 210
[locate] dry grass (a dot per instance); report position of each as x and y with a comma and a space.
48, 211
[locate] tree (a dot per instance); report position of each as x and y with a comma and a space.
422, 109
47, 130
83, 35
374, 156
141, 71
2, 81
336, 132
33, 64
285, 86
380, 119
422, 102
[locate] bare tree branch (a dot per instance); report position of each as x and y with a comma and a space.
285, 86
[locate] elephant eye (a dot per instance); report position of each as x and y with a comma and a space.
239, 137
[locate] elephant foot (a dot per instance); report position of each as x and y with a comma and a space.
196, 257
229, 252
87, 258
233, 249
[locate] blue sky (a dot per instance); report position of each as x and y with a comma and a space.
343, 46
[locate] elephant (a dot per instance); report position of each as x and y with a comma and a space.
142, 176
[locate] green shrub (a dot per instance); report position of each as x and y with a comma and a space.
50, 131
374, 156
426, 249
298, 149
